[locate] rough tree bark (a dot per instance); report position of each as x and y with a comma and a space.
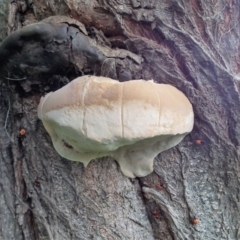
191, 44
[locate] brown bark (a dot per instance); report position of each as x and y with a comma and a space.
191, 44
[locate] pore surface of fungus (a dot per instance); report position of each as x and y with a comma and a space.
132, 122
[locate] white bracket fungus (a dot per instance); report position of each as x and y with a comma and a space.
131, 121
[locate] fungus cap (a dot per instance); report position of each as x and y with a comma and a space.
131, 121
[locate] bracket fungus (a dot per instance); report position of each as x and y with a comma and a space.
131, 121
60, 47
55, 45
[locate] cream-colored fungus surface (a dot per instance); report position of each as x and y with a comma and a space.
130, 121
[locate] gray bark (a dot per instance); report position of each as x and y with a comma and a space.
193, 45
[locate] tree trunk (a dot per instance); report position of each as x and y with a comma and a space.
193, 192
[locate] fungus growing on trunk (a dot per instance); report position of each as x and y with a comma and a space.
55, 45
132, 122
